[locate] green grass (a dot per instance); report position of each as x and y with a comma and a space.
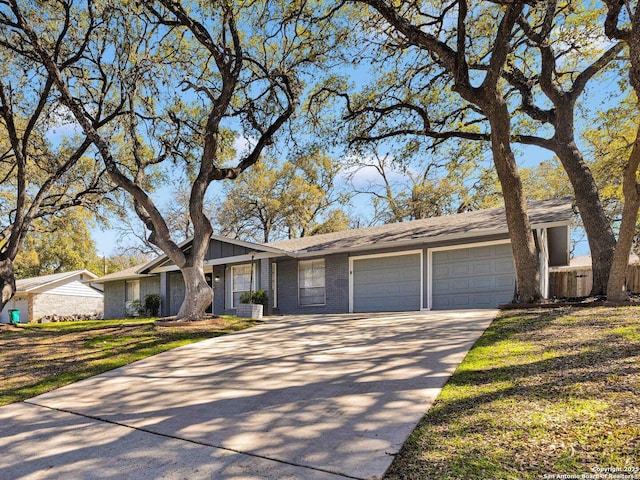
541, 393
84, 325
37, 358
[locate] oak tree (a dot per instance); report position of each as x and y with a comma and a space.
623, 23
441, 34
178, 70
46, 166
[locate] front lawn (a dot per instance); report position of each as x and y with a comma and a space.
545, 392
36, 358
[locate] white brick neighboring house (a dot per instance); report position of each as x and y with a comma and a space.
67, 293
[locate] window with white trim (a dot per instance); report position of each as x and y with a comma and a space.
311, 285
240, 282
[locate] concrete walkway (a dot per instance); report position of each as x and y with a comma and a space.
316, 397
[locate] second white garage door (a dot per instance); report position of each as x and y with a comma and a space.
387, 283
472, 277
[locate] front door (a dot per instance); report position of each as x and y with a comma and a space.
209, 277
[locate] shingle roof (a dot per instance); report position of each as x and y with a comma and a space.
36, 282
457, 225
461, 225
131, 272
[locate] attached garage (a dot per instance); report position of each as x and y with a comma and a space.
386, 283
472, 277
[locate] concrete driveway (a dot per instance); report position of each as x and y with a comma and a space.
314, 397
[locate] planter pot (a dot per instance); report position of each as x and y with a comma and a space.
249, 310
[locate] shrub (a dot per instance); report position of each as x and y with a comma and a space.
152, 304
258, 297
134, 309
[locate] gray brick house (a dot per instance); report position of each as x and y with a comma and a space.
450, 262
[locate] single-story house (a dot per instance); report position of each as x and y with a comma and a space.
66, 293
449, 262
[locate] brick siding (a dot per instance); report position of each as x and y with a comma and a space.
44, 304
114, 299
336, 271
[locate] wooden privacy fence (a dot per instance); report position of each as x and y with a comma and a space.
577, 283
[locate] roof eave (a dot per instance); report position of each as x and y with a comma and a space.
35, 288
423, 240
158, 261
134, 276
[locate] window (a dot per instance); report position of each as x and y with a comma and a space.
131, 294
311, 289
240, 282
132, 290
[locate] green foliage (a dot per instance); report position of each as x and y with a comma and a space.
540, 392
259, 297
135, 308
152, 304
36, 365
280, 200
57, 244
335, 221
547, 180
610, 140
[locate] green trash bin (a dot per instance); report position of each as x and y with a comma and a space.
14, 316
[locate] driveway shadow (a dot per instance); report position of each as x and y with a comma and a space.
335, 394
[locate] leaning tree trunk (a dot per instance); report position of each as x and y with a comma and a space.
602, 241
197, 296
7, 282
616, 291
522, 243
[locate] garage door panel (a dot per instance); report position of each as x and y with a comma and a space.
460, 269
483, 283
474, 277
387, 283
441, 270
504, 266
482, 268
505, 282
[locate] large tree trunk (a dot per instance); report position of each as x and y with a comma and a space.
197, 296
630, 187
522, 242
602, 241
616, 291
7, 282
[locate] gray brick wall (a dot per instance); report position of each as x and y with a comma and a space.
264, 282
149, 286
114, 299
176, 292
45, 304
336, 285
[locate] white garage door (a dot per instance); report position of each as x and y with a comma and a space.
387, 284
474, 277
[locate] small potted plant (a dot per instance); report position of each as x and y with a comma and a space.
252, 304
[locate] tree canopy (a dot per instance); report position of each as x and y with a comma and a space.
435, 99
277, 200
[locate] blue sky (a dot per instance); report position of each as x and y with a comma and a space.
527, 156
107, 240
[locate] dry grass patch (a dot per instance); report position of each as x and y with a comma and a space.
38, 358
553, 392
